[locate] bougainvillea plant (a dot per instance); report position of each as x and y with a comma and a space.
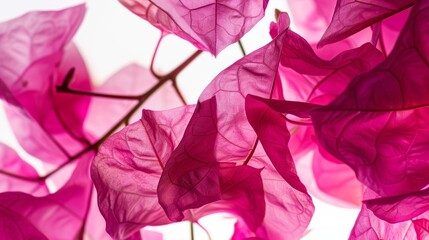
351, 102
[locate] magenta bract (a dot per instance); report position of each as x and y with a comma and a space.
222, 126
210, 25
378, 125
126, 177
60, 214
351, 16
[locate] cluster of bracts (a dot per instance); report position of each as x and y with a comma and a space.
351, 105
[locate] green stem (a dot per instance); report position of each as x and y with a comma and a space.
191, 223
242, 48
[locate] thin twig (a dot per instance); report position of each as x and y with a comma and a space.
242, 48
204, 229
178, 92
173, 74
381, 41
124, 120
152, 62
93, 94
66, 127
252, 151
191, 223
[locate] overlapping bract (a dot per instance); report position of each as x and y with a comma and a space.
127, 169
369, 226
399, 208
14, 164
217, 139
56, 215
35, 60
210, 25
378, 125
273, 135
36, 57
229, 153
131, 80
308, 78
351, 16
223, 126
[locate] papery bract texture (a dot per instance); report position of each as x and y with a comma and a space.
273, 135
178, 190
335, 179
312, 20
336, 182
60, 115
210, 25
36, 63
378, 125
311, 17
242, 194
127, 169
288, 211
422, 228
351, 16
368, 226
95, 224
17, 226
32, 37
308, 78
13, 163
386, 32
57, 215
399, 208
219, 132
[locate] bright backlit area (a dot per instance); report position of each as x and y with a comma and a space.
111, 37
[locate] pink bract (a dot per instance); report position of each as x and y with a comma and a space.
131, 80
273, 135
222, 125
209, 25
356, 110
369, 226
422, 228
56, 215
351, 16
308, 78
378, 125
129, 164
36, 61
33, 37
13, 163
399, 208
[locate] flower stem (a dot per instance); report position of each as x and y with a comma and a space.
124, 120
93, 94
178, 92
152, 62
191, 224
242, 48
204, 229
381, 41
